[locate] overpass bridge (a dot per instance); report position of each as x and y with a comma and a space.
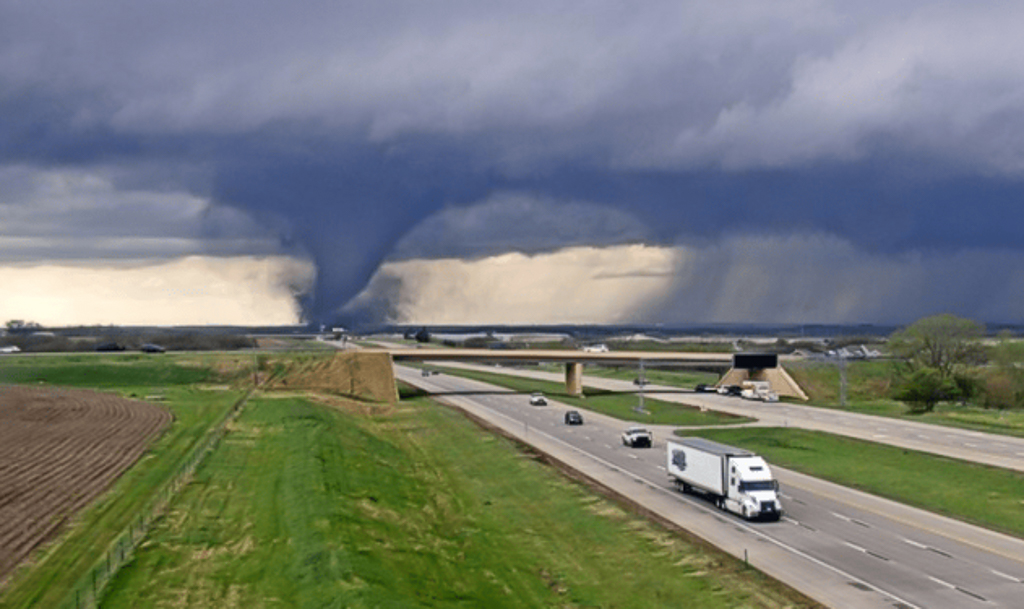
781, 382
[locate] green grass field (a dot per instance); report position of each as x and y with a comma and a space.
612, 403
868, 385
356, 505
931, 482
673, 378
182, 385
987, 496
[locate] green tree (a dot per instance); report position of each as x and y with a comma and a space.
945, 343
1003, 382
925, 388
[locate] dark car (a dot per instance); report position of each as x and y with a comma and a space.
573, 417
151, 348
639, 382
702, 388
109, 347
733, 390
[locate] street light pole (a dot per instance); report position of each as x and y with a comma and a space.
643, 381
842, 381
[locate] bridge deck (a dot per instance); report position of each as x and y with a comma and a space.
559, 355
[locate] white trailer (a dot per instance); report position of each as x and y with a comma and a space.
758, 390
736, 480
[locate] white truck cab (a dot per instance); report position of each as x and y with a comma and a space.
736, 480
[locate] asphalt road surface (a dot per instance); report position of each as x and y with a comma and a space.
841, 547
991, 449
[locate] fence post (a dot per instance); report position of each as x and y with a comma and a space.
159, 502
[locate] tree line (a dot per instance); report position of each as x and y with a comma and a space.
944, 358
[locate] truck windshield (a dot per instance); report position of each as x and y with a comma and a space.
762, 485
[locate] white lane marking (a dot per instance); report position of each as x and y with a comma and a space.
915, 544
944, 583
841, 517
632, 456
856, 547
708, 510
662, 468
608, 446
1009, 577
969, 445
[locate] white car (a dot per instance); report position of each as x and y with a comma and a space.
602, 348
537, 399
637, 437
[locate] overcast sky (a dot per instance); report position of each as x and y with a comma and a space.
748, 161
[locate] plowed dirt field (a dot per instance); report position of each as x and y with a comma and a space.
59, 449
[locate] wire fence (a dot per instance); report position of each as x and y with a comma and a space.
89, 589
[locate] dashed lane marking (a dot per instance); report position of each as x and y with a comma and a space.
1005, 576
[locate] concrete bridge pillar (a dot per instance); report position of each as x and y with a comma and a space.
574, 378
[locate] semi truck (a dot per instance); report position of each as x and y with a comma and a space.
734, 479
758, 390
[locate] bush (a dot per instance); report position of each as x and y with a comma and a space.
925, 388
999, 392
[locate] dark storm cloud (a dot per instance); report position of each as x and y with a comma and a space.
510, 222
737, 84
352, 130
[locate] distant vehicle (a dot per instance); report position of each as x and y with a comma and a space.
759, 390
639, 382
734, 390
152, 348
10, 349
573, 417
109, 347
703, 388
537, 399
637, 437
425, 372
600, 348
736, 480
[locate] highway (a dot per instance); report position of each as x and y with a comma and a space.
991, 449
841, 547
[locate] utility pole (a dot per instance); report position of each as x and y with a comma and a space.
643, 381
842, 381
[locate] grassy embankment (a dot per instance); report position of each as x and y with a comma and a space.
185, 385
869, 384
612, 403
931, 482
360, 505
671, 378
987, 496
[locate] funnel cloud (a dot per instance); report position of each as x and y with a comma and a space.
839, 161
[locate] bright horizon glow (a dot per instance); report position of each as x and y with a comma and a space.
190, 291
